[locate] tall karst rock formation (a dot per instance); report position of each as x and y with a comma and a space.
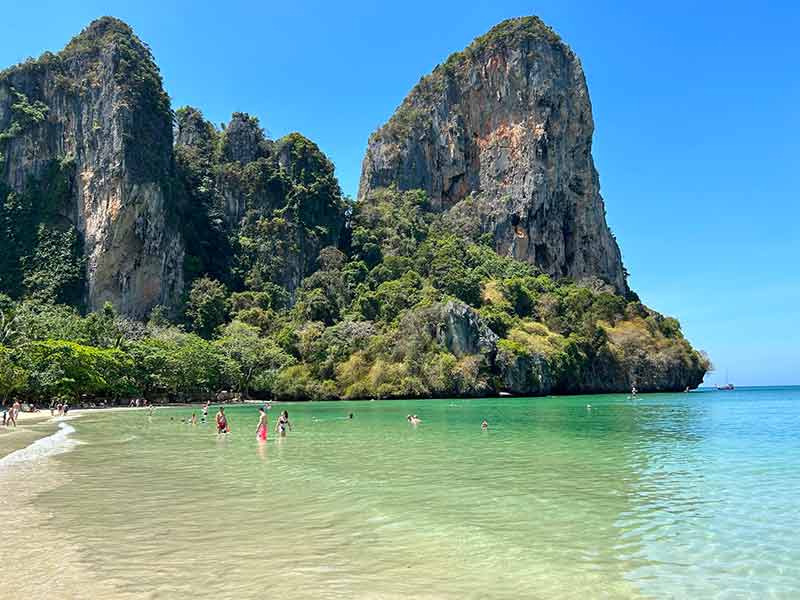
500, 137
86, 167
257, 211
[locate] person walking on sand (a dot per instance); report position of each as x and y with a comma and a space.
261, 429
283, 423
222, 421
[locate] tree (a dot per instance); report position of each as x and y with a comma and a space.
250, 354
12, 377
61, 368
179, 363
207, 308
8, 327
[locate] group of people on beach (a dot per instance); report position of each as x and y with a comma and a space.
59, 409
10, 414
138, 403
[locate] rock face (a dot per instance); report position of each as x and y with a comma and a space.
278, 200
500, 135
458, 328
99, 106
524, 375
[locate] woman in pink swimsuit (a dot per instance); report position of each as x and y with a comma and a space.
261, 430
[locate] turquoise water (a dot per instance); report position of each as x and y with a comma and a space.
670, 496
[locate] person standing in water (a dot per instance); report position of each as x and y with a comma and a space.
205, 410
261, 430
283, 423
222, 421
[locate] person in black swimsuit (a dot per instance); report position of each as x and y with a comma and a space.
283, 423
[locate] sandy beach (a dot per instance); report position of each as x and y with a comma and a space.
33, 426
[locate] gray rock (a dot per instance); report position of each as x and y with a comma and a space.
526, 375
117, 129
502, 133
460, 329
244, 140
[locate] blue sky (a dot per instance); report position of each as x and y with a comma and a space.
696, 106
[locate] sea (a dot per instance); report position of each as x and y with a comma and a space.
690, 495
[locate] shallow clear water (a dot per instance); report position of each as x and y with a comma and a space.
673, 495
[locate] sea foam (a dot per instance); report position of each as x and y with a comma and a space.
56, 443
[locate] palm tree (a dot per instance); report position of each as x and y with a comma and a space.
8, 329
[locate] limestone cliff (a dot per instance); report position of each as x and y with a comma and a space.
634, 354
500, 136
98, 112
276, 203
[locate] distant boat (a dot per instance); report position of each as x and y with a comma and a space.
728, 387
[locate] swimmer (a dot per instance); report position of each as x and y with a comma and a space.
222, 422
485, 425
350, 416
261, 429
283, 423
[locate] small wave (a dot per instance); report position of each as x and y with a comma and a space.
56, 443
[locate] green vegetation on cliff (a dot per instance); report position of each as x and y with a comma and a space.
42, 256
410, 308
255, 212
